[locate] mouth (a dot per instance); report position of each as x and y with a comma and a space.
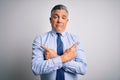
59, 24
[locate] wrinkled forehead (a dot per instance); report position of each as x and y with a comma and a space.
59, 12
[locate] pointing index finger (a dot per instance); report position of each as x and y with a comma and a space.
45, 48
75, 45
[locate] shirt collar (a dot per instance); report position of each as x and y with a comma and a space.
54, 33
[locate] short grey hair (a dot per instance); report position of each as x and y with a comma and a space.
59, 7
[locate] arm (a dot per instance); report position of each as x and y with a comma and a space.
79, 64
39, 64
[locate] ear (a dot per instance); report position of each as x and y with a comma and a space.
67, 20
50, 19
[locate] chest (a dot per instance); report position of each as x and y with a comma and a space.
51, 42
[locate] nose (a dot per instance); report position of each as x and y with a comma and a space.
59, 20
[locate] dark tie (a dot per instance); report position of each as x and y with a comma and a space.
60, 72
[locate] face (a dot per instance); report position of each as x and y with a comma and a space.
58, 20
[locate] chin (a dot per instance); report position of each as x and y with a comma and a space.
59, 31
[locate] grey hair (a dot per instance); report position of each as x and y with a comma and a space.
59, 7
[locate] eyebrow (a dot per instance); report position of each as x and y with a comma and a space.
58, 15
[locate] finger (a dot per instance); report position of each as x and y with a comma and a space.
75, 45
45, 48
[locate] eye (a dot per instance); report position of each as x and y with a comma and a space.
64, 17
55, 16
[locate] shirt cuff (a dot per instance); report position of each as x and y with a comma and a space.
57, 62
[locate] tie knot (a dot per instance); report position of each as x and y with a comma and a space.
58, 34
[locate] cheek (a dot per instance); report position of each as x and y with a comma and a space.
65, 23
53, 22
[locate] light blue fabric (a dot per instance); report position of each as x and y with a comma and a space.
47, 68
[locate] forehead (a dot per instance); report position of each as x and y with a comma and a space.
59, 12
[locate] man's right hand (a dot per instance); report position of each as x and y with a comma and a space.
49, 53
70, 53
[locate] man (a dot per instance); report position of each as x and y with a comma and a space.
57, 54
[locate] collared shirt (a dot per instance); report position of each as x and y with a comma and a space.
47, 68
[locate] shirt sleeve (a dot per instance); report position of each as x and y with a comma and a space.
39, 64
79, 64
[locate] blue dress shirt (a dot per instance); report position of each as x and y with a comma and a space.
47, 68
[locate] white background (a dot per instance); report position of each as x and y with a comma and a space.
96, 22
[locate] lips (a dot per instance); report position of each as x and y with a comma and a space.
59, 24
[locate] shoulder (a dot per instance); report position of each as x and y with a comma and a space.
72, 36
42, 36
